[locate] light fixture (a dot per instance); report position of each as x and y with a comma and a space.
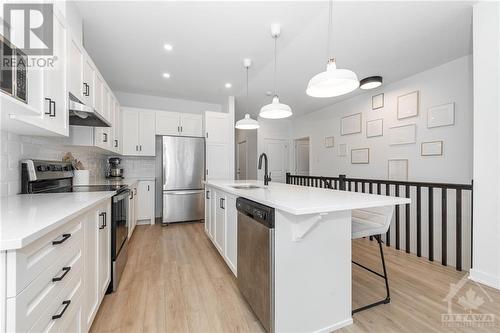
228, 85
168, 47
333, 81
370, 82
275, 110
247, 123
166, 75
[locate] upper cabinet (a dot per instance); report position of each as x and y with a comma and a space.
75, 68
177, 123
138, 128
218, 148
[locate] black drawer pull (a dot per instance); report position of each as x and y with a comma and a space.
62, 240
66, 304
59, 278
104, 222
52, 104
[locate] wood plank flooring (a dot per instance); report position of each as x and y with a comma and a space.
175, 281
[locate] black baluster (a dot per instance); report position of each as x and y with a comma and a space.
458, 244
419, 222
407, 219
444, 227
397, 220
431, 223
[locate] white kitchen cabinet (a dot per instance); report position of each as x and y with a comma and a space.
132, 210
218, 127
177, 123
218, 146
88, 82
217, 166
146, 201
75, 68
104, 229
138, 128
208, 204
103, 134
220, 222
231, 228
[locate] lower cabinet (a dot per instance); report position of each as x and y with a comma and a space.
146, 201
56, 283
132, 208
221, 224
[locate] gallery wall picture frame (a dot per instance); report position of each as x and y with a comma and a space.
374, 128
402, 135
360, 156
408, 105
431, 148
378, 101
441, 115
342, 150
350, 124
397, 169
329, 142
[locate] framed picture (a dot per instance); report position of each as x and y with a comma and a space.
329, 141
432, 148
441, 115
360, 156
378, 101
350, 124
397, 169
401, 135
374, 128
408, 105
342, 151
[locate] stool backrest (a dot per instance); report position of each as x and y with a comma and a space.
379, 217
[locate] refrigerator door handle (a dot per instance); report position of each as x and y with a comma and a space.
183, 192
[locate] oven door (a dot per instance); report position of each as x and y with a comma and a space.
119, 218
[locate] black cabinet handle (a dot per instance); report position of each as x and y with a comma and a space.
208, 195
62, 240
104, 222
66, 304
52, 103
59, 278
221, 203
50, 106
136, 148
116, 143
148, 188
181, 128
86, 90
105, 139
135, 191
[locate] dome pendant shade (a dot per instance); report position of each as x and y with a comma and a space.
275, 110
370, 82
247, 123
332, 82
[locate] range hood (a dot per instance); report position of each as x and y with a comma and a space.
83, 115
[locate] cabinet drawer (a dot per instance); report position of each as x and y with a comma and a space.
60, 306
25, 264
25, 309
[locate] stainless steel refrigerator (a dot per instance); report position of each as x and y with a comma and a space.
183, 173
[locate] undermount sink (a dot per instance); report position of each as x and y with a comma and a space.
245, 186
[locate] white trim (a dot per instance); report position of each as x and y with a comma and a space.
335, 327
485, 278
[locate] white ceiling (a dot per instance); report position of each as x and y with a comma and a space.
210, 39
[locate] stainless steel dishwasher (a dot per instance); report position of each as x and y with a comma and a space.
256, 259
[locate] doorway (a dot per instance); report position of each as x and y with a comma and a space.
241, 161
302, 156
277, 152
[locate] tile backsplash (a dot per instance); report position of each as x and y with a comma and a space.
136, 167
15, 148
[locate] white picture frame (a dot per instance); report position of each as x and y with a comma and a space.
441, 115
350, 124
431, 148
360, 156
329, 142
378, 101
342, 150
402, 135
408, 105
397, 169
374, 128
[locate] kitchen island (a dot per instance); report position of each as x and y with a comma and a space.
312, 246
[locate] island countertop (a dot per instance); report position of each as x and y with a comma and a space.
301, 200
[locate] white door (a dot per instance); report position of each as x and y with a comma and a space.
147, 122
241, 167
217, 161
130, 130
302, 157
167, 123
191, 125
277, 154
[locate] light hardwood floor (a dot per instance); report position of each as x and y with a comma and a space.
175, 281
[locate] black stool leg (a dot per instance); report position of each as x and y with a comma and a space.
384, 276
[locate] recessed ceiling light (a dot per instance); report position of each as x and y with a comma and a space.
168, 47
228, 85
166, 75
370, 82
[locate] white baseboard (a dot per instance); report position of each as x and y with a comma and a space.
485, 278
335, 327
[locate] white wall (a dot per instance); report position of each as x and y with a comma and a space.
165, 103
486, 242
451, 82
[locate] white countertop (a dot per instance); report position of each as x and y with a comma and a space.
118, 181
27, 217
299, 200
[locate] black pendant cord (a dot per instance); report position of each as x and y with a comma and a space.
330, 27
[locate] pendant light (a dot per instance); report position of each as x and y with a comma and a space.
247, 123
275, 110
333, 81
